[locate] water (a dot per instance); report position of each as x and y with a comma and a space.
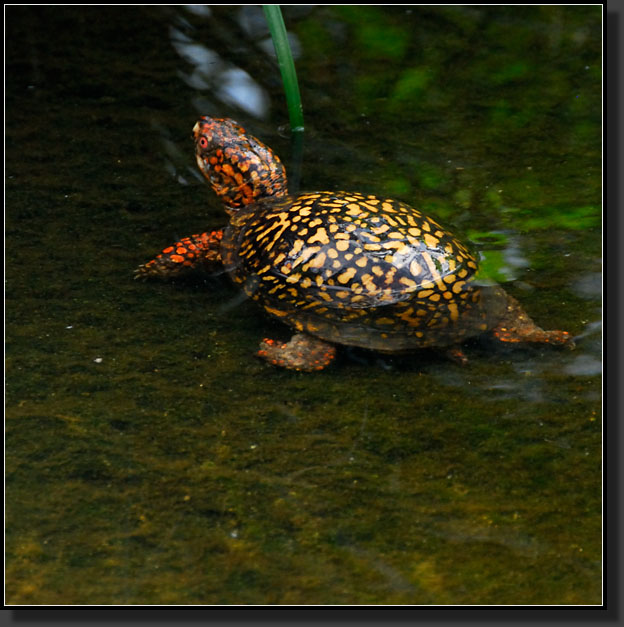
152, 459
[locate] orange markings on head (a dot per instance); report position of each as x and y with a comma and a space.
168, 250
177, 258
238, 161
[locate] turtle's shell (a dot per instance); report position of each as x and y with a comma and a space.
359, 270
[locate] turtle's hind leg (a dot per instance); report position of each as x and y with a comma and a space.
188, 254
517, 326
456, 354
303, 352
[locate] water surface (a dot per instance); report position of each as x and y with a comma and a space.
152, 459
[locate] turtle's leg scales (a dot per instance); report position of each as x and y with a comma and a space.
517, 326
188, 254
537, 335
302, 352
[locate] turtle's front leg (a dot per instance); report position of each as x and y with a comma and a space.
303, 352
190, 253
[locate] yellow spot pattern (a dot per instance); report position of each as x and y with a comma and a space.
347, 265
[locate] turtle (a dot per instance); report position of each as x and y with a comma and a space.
340, 268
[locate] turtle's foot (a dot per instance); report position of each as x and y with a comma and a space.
517, 326
190, 253
303, 352
535, 334
455, 353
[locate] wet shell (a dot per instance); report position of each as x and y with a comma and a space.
358, 269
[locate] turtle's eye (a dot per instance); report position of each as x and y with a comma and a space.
203, 142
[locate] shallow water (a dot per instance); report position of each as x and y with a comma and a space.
152, 459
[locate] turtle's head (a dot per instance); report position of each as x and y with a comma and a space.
241, 169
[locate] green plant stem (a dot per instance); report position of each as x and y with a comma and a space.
277, 28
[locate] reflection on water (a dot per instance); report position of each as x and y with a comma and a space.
589, 285
252, 20
228, 84
231, 85
503, 263
585, 366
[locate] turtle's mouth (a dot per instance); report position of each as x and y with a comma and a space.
203, 166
